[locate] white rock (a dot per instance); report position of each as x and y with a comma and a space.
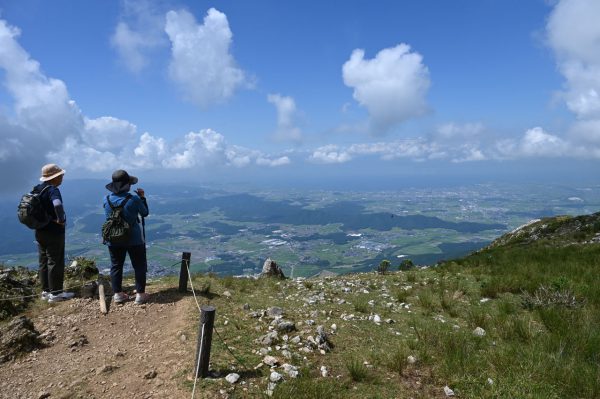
448, 391
490, 381
232, 378
275, 376
377, 319
324, 371
411, 359
479, 332
484, 300
290, 370
334, 327
270, 360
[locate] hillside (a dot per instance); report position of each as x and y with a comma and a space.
517, 319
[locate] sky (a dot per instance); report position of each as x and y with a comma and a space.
290, 91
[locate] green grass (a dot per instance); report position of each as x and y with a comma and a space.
357, 370
542, 348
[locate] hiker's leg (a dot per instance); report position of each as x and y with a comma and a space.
42, 260
117, 258
55, 253
137, 254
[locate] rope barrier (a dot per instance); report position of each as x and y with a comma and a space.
198, 364
187, 267
38, 293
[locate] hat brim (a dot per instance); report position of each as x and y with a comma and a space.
48, 178
119, 187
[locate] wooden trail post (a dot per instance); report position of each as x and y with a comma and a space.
207, 322
183, 273
102, 298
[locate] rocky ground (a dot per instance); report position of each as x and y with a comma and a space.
132, 352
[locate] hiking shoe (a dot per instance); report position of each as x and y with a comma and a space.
45, 295
141, 297
63, 296
55, 298
120, 297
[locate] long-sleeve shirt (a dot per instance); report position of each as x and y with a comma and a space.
52, 201
134, 207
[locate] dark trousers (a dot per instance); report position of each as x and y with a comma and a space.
137, 255
51, 249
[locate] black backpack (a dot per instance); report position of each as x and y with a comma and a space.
31, 211
116, 230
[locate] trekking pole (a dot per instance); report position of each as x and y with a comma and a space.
144, 228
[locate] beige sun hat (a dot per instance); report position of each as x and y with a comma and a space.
50, 171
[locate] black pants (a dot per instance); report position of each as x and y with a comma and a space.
51, 249
137, 254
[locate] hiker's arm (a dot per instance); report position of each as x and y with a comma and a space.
142, 207
61, 218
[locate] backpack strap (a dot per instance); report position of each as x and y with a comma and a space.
33, 190
122, 205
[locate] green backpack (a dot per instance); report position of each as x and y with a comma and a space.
116, 230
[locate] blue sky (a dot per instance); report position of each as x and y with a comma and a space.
231, 90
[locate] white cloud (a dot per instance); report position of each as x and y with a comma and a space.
286, 114
329, 154
453, 130
46, 125
273, 162
534, 143
201, 62
140, 30
573, 33
108, 133
392, 86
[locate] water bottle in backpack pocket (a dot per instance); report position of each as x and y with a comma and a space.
116, 230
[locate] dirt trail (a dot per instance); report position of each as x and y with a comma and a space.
133, 352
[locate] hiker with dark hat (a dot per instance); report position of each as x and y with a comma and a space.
51, 237
128, 239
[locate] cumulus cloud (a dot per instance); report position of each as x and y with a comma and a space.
286, 115
392, 86
46, 125
330, 154
273, 162
535, 143
201, 60
573, 33
140, 30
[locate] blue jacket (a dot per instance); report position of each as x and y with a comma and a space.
134, 207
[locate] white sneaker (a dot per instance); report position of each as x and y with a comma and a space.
141, 298
45, 295
63, 296
55, 298
120, 297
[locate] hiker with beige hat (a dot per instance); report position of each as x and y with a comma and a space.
51, 237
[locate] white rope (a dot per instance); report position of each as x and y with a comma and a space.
34, 295
192, 284
198, 364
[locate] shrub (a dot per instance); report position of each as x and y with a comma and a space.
411, 277
361, 305
398, 360
550, 296
406, 264
358, 372
383, 266
427, 301
402, 295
